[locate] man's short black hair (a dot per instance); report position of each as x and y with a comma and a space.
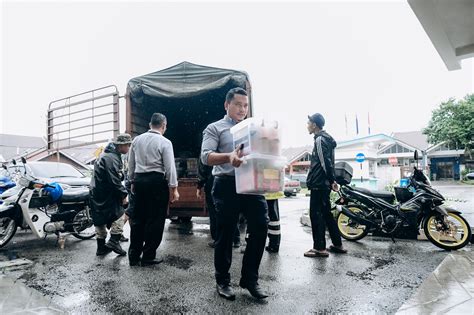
157, 120
232, 92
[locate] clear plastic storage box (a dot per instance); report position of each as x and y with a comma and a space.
259, 174
259, 136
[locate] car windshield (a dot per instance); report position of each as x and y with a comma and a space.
54, 170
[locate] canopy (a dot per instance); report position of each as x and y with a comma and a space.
184, 80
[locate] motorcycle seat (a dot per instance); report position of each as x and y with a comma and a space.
75, 195
385, 195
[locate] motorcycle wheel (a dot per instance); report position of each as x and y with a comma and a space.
350, 230
456, 236
7, 230
82, 225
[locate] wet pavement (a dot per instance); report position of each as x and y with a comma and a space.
459, 196
376, 276
448, 290
17, 298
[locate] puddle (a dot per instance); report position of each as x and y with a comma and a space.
367, 275
10, 254
178, 262
75, 299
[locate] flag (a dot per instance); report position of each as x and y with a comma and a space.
345, 117
368, 122
357, 126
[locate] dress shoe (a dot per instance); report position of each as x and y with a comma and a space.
151, 262
255, 290
271, 249
225, 291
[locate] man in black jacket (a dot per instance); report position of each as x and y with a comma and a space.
108, 195
320, 181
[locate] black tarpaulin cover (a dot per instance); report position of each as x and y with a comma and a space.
183, 80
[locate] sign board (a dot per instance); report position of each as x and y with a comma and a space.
393, 160
360, 157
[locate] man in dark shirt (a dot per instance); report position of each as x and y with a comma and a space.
320, 181
217, 150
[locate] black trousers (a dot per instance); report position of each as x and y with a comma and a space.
321, 216
274, 233
131, 198
229, 205
148, 217
211, 208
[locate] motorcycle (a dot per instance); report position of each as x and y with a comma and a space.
7, 180
361, 211
29, 205
5, 184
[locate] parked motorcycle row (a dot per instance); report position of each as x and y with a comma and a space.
419, 206
44, 208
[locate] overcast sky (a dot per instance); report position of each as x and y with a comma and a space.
336, 58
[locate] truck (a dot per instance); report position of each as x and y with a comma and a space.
191, 97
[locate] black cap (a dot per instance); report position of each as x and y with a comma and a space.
318, 119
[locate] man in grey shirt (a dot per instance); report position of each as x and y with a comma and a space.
154, 181
217, 150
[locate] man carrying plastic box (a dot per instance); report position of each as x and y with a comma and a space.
218, 151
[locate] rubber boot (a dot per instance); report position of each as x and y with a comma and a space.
101, 248
114, 244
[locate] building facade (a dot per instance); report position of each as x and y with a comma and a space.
388, 158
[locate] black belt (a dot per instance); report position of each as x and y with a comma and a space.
225, 177
151, 175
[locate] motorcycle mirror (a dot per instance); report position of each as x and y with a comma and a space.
4, 167
23, 160
416, 155
13, 162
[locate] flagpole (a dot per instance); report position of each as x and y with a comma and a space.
368, 121
357, 126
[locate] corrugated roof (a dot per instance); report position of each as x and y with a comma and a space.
292, 153
414, 138
12, 146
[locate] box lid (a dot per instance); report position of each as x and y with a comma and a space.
254, 121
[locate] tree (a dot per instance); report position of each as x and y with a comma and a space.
453, 122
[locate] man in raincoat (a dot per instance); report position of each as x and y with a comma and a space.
108, 195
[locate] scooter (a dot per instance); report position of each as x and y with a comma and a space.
5, 184
29, 205
362, 211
